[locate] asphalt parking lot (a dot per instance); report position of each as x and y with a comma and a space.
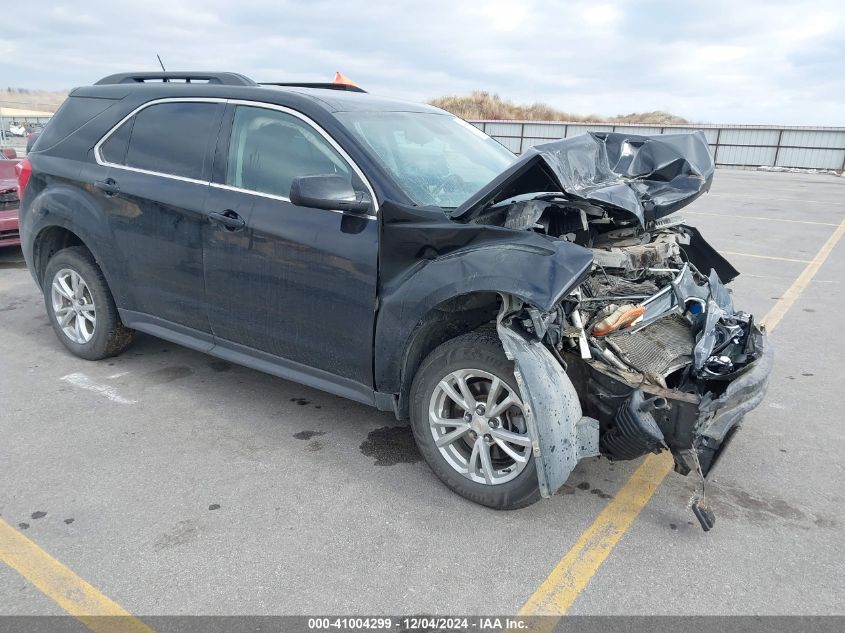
175, 483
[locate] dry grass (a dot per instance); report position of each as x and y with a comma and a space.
483, 105
477, 105
23, 98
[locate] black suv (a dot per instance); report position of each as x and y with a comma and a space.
524, 312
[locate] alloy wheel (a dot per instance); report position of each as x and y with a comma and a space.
478, 425
73, 306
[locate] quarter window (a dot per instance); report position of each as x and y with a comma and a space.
268, 149
114, 149
169, 138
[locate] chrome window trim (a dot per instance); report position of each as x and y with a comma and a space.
244, 102
261, 194
272, 196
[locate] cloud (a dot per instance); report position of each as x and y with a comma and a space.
601, 15
758, 61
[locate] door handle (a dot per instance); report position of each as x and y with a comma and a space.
109, 185
228, 218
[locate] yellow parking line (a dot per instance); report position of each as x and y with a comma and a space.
68, 590
785, 302
758, 217
780, 259
575, 570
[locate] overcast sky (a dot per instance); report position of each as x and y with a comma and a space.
725, 61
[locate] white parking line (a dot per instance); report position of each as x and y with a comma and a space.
84, 382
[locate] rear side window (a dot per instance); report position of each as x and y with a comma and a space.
268, 149
168, 138
72, 115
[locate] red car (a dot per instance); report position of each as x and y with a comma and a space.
9, 203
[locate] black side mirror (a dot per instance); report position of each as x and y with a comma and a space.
328, 191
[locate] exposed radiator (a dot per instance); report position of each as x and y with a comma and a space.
657, 349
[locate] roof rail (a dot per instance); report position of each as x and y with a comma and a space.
210, 77
328, 86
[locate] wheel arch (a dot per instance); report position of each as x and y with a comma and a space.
429, 265
49, 241
52, 238
446, 320
64, 215
453, 295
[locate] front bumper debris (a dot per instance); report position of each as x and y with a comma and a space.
720, 417
561, 435
687, 422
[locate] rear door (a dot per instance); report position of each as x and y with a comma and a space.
159, 167
291, 282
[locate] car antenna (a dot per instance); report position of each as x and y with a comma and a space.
160, 63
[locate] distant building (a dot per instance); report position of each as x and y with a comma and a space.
14, 118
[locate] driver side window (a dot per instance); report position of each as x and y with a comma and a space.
268, 149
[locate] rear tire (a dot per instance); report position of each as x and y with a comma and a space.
81, 307
500, 472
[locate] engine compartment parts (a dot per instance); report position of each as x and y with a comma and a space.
636, 432
656, 351
683, 335
620, 317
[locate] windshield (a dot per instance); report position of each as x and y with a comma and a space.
437, 159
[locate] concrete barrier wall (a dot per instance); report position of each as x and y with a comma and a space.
732, 145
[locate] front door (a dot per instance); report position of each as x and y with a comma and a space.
282, 281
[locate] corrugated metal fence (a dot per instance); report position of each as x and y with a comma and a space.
732, 145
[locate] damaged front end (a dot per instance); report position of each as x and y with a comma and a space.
665, 334
649, 352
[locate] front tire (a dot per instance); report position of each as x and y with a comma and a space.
468, 422
81, 307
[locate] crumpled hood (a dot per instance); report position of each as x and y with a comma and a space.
648, 177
